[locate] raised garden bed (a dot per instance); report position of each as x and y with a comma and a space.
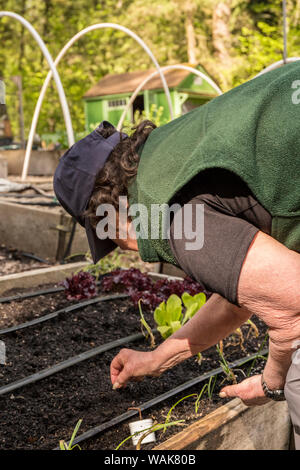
14, 261
37, 415
237, 427
52, 225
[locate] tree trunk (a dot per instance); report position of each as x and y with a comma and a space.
221, 33
47, 14
22, 40
296, 13
190, 36
188, 8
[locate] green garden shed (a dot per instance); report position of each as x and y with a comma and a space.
107, 99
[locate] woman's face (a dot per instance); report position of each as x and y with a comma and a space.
128, 239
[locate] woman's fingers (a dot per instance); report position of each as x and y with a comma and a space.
119, 373
249, 391
130, 365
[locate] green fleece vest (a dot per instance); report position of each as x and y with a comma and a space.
252, 130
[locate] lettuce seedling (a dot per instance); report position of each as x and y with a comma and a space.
80, 286
169, 315
192, 303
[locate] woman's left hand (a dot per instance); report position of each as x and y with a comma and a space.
250, 391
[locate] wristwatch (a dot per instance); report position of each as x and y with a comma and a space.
276, 395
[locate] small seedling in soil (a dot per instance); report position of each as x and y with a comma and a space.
253, 328
147, 327
259, 356
201, 394
154, 428
209, 388
226, 369
105, 265
172, 408
63, 445
239, 332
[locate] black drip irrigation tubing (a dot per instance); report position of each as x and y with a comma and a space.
70, 242
160, 398
37, 203
42, 374
55, 314
34, 257
26, 295
12, 298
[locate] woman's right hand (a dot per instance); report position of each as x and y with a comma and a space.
131, 365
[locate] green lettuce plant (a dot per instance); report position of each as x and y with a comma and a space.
169, 315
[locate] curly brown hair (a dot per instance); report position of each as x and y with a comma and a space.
119, 170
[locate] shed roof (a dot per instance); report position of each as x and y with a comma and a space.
127, 82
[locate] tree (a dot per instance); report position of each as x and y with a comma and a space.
233, 39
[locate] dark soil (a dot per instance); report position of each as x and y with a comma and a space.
37, 416
20, 311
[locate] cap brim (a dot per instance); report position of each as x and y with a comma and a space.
99, 248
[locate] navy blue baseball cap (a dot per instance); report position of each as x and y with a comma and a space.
75, 177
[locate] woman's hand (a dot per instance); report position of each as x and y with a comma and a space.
130, 365
250, 391
203, 330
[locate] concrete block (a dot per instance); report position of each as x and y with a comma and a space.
29, 229
42, 162
37, 277
38, 231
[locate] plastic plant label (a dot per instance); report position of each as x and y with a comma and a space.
140, 426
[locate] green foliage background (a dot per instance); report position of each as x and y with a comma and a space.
253, 40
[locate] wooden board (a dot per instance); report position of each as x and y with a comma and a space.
235, 426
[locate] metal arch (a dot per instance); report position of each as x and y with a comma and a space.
62, 96
147, 79
276, 65
57, 60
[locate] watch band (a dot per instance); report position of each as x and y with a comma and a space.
276, 395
